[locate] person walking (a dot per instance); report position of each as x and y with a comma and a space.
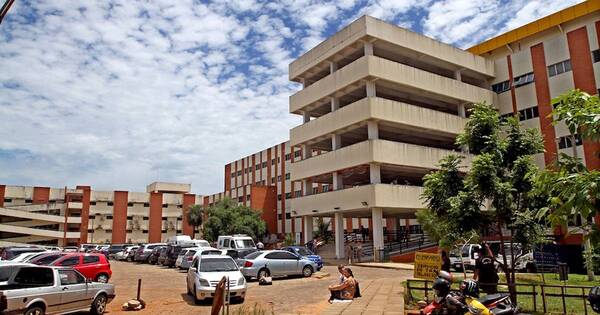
485, 271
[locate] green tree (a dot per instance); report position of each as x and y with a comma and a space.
226, 217
494, 195
572, 189
194, 217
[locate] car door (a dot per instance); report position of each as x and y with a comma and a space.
90, 266
275, 264
73, 290
191, 275
70, 261
291, 263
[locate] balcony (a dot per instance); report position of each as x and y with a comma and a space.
38, 216
410, 156
409, 117
37, 232
394, 199
75, 205
412, 80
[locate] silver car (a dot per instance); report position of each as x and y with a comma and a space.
186, 256
38, 290
276, 263
205, 273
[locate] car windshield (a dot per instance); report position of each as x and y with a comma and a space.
5, 272
247, 243
211, 252
217, 265
304, 251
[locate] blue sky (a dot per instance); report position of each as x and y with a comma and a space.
116, 94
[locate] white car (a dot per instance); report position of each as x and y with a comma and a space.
122, 255
24, 257
206, 272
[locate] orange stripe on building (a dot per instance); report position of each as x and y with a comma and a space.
253, 169
264, 198
283, 215
119, 221
542, 92
155, 221
85, 213
583, 77
2, 194
243, 182
41, 195
188, 201
269, 165
513, 94
227, 177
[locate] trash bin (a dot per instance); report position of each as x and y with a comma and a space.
563, 271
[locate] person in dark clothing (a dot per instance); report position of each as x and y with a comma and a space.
445, 261
485, 271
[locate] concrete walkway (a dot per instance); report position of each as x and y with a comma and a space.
379, 297
386, 265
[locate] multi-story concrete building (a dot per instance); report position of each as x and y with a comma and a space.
384, 104
65, 216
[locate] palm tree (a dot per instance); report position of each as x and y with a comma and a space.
194, 217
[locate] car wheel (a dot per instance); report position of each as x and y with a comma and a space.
99, 305
196, 301
263, 273
102, 278
35, 310
307, 271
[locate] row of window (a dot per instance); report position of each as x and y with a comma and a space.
560, 67
131, 231
524, 114
565, 142
287, 216
131, 204
288, 156
554, 69
129, 217
596, 55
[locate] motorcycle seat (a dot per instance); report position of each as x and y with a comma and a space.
490, 298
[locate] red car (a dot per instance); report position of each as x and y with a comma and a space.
91, 266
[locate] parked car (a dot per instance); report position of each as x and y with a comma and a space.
131, 253
237, 246
7, 270
70, 249
205, 273
153, 257
9, 252
115, 248
32, 289
46, 258
172, 253
276, 263
122, 255
143, 252
468, 256
162, 255
186, 256
92, 266
305, 252
24, 257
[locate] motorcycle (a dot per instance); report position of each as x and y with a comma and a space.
454, 303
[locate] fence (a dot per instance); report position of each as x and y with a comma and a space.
552, 297
395, 242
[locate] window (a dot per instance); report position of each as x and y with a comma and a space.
297, 193
264, 164
239, 173
240, 199
325, 188
233, 175
558, 68
7, 200
70, 261
110, 203
69, 277
565, 142
297, 153
257, 167
246, 171
146, 204
273, 162
278, 178
92, 203
596, 55
287, 176
248, 197
164, 205
91, 259
272, 180
35, 277
144, 218
130, 204
523, 79
45, 260
288, 195
28, 201
288, 215
279, 197
529, 113
279, 216
501, 87
145, 231
129, 217
109, 217
288, 156
315, 190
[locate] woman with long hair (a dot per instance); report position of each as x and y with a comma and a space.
347, 290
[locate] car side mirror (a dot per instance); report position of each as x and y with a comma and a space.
193, 269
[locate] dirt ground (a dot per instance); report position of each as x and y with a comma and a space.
164, 290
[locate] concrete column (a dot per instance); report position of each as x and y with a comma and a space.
375, 173
303, 82
377, 215
368, 49
336, 142
457, 75
306, 151
307, 186
305, 116
371, 89
308, 228
339, 236
335, 103
461, 110
332, 67
372, 130
338, 181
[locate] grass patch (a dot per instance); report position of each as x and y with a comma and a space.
554, 305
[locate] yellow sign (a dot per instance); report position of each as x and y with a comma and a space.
427, 265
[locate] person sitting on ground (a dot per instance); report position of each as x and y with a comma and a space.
346, 290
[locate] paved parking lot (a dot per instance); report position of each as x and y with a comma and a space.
165, 293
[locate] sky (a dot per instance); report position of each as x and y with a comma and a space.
118, 94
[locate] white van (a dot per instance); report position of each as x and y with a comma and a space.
178, 239
468, 256
237, 241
